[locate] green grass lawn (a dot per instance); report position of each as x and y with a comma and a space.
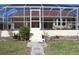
69, 47
13, 48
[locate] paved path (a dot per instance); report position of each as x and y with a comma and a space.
37, 48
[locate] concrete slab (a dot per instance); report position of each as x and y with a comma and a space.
37, 35
5, 33
61, 32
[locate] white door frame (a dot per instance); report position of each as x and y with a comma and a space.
39, 18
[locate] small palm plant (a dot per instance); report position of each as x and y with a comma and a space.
24, 33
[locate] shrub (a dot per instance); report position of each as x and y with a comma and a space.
24, 33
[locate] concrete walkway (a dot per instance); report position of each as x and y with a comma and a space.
37, 48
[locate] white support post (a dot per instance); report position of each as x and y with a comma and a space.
60, 19
66, 25
12, 26
77, 20
57, 21
24, 16
6, 19
3, 21
40, 18
7, 22
56, 24
43, 17
30, 18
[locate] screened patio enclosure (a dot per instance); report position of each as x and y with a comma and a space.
42, 16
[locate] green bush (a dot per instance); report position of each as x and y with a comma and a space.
24, 33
